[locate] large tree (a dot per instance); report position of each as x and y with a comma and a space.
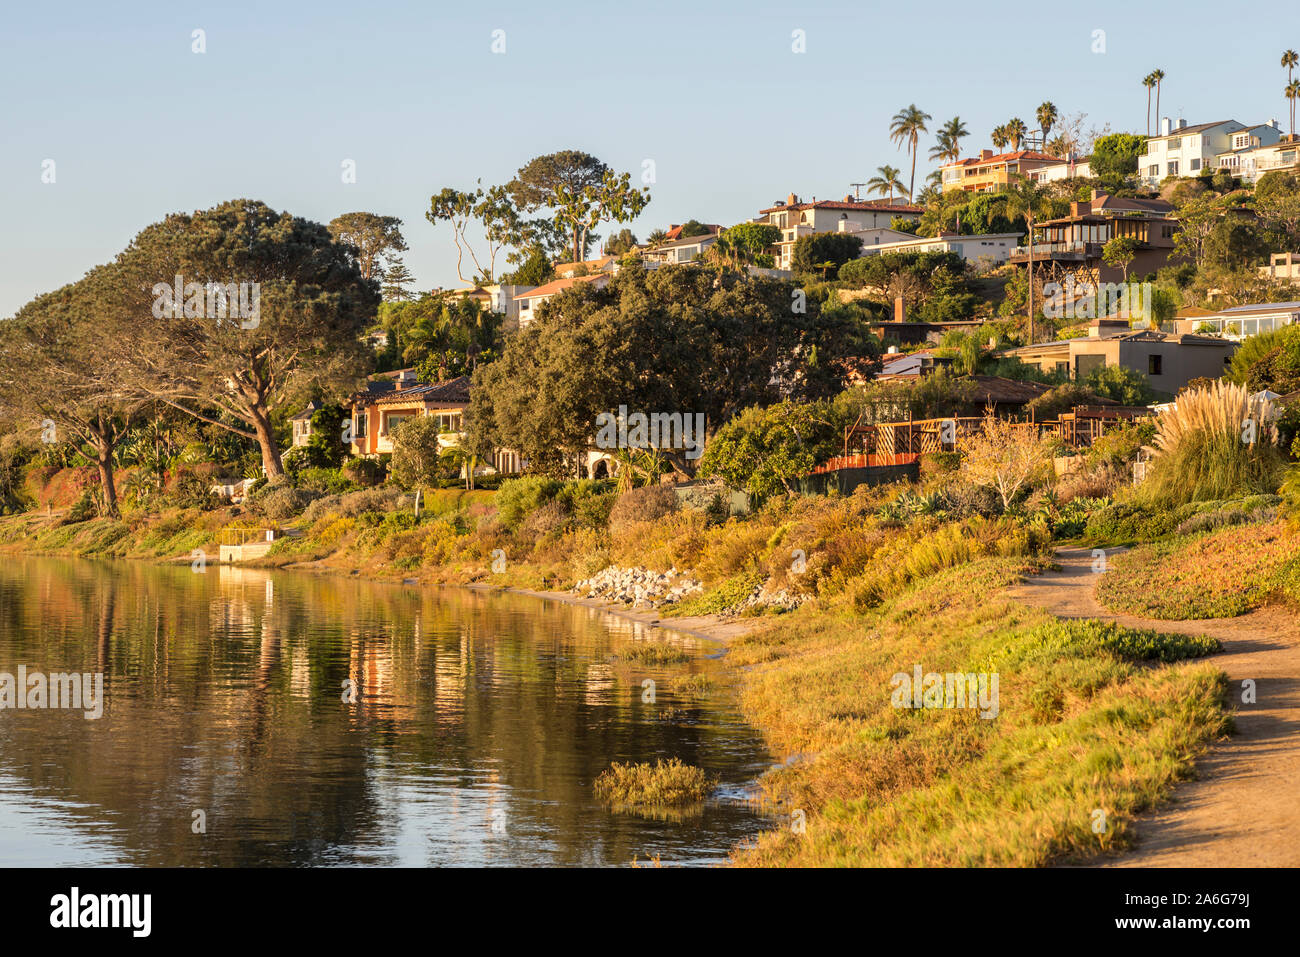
311, 308
63, 374
377, 240
671, 340
905, 129
542, 181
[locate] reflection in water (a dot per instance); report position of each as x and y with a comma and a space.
319, 721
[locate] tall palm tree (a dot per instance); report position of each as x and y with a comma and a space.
887, 182
948, 148
1046, 118
1149, 81
1016, 131
1027, 198
906, 128
1158, 76
999, 136
1290, 60
1293, 94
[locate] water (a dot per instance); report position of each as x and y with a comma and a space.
479, 723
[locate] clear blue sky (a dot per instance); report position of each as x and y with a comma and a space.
139, 126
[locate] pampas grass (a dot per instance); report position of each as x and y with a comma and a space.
1201, 448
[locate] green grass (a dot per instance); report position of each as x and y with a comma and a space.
663, 783
654, 653
1091, 716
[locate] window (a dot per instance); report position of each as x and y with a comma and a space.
1155, 364
1173, 167
1153, 171
1195, 165
362, 425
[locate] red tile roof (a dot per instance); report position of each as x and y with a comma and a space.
557, 286
865, 206
1007, 158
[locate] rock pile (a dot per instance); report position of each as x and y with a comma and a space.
640, 587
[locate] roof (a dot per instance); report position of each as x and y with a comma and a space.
675, 232
688, 241
556, 286
1007, 158
1140, 335
865, 206
1190, 129
1262, 307
449, 392
306, 413
599, 263
992, 388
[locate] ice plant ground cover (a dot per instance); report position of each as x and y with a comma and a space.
1216, 575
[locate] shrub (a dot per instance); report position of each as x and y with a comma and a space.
643, 505
324, 480
364, 472
1201, 453
517, 497
664, 782
283, 502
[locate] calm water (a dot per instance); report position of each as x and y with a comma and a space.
479, 723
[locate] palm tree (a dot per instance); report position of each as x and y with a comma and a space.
1289, 60
1149, 81
948, 149
460, 458
1000, 136
906, 128
1293, 94
1027, 198
1016, 131
1158, 76
886, 182
655, 238
1046, 118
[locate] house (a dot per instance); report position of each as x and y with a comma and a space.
1182, 150
1073, 244
530, 300
675, 251
388, 400
496, 297
985, 249
796, 219
1282, 267
1062, 169
302, 424
1168, 361
1255, 151
675, 231
586, 267
1238, 322
992, 173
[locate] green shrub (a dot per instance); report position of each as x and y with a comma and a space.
517, 497
643, 505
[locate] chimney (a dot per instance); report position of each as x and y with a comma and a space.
986, 154
900, 309
1164, 126
848, 198
791, 199
1182, 123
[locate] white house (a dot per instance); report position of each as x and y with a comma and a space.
796, 219
680, 250
1066, 169
530, 300
987, 249
1182, 150
1257, 156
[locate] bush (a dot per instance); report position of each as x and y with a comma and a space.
364, 472
664, 782
643, 505
283, 502
324, 480
517, 497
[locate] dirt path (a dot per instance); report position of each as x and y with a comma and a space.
1243, 810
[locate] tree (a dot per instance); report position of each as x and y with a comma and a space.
1046, 115
417, 456
462, 459
493, 210
1028, 199
747, 242
1115, 157
540, 183
1120, 384
693, 227
824, 251
722, 341
885, 182
948, 146
396, 278
1289, 60
583, 210
1005, 457
311, 307
905, 129
1000, 136
375, 238
62, 372
656, 237
1120, 251
1016, 130
765, 450
1149, 81
1158, 76
621, 242
535, 270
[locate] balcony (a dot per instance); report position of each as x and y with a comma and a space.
1061, 252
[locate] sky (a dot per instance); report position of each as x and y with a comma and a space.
139, 125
